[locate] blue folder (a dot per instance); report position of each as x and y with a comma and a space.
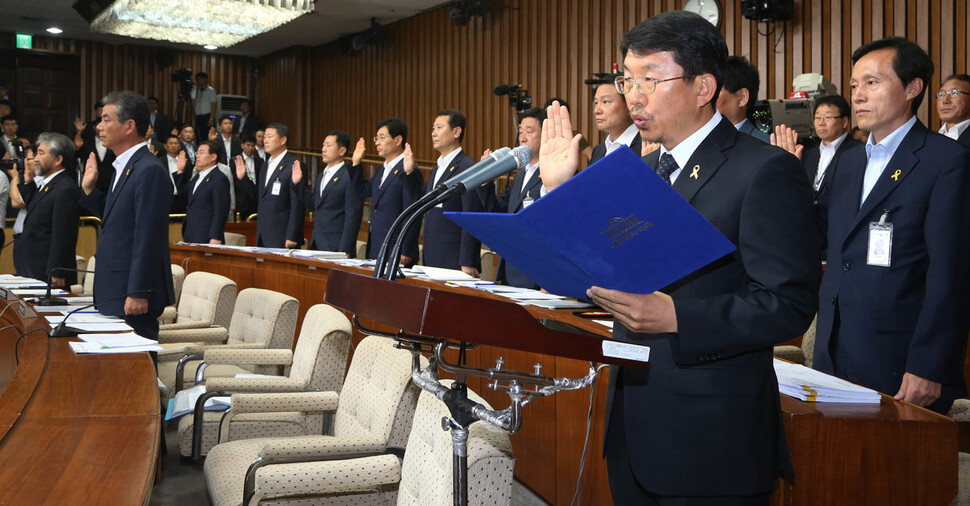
616, 225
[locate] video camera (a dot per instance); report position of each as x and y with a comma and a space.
18, 159
183, 77
519, 98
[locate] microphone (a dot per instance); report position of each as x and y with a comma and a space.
48, 300
505, 89
482, 165
63, 331
482, 173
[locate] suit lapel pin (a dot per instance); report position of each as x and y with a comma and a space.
896, 174
46, 188
128, 173
395, 171
452, 169
695, 171
206, 180
334, 180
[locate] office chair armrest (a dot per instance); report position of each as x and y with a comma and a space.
255, 385
235, 356
283, 402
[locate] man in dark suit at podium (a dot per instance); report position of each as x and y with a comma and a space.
334, 199
613, 118
702, 425
524, 189
893, 303
207, 198
279, 223
133, 247
50, 227
392, 189
445, 243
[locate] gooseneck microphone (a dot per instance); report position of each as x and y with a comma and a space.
48, 300
61, 330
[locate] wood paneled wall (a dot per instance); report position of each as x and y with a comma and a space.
551, 46
108, 67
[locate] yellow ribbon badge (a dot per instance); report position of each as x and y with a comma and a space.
694, 172
896, 174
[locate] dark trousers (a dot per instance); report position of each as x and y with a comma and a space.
18, 261
201, 128
626, 488
145, 326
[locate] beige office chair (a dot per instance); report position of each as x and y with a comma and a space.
233, 239
178, 277
374, 413
202, 315
85, 287
800, 354
317, 364
489, 261
369, 477
361, 250
261, 319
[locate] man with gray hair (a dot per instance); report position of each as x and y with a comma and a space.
49, 237
134, 265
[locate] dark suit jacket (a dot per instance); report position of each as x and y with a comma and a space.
161, 125
445, 243
252, 124
711, 388
749, 128
235, 149
178, 199
512, 202
133, 245
50, 229
246, 203
388, 200
206, 207
600, 150
336, 213
910, 316
965, 138
810, 159
280, 217
105, 169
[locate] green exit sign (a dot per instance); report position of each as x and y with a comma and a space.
25, 41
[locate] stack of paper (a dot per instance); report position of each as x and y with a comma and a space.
184, 402
37, 291
319, 254
810, 385
10, 280
440, 274
83, 317
114, 343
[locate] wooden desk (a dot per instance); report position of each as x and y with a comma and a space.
76, 429
892, 453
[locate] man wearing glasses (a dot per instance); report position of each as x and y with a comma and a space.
953, 104
832, 130
702, 425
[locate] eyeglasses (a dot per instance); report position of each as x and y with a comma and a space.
380, 138
826, 119
645, 85
952, 93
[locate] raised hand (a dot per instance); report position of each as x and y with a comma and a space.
409, 165
181, 162
485, 154
14, 175
79, 125
787, 139
90, 174
240, 167
558, 153
359, 151
212, 133
297, 175
648, 147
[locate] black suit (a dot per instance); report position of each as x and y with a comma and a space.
388, 199
49, 238
704, 419
235, 149
280, 213
513, 201
445, 243
336, 213
600, 150
161, 125
206, 207
252, 124
876, 323
246, 203
964, 138
810, 159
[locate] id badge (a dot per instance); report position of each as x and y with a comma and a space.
276, 187
527, 202
880, 242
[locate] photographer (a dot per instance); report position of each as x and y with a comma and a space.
20, 196
10, 139
204, 97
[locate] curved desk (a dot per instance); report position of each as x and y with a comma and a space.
74, 429
891, 453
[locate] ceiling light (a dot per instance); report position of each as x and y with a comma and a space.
210, 47
55, 30
221, 22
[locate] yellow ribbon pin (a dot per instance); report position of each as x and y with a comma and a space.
694, 172
395, 171
451, 169
334, 180
206, 180
896, 174
128, 173
45, 188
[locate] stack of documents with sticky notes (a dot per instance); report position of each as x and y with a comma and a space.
184, 402
810, 385
127, 342
528, 296
617, 225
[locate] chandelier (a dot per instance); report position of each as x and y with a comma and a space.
217, 22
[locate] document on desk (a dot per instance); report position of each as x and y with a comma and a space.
37, 291
441, 274
98, 326
184, 402
617, 225
810, 385
81, 317
114, 343
13, 281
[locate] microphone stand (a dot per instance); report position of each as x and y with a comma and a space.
48, 300
444, 196
391, 233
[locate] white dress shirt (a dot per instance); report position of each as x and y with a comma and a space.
228, 145
173, 168
271, 165
328, 175
100, 149
250, 164
825, 155
203, 100
623, 140
954, 131
444, 161
388, 166
683, 151
879, 155
201, 176
18, 226
122, 160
